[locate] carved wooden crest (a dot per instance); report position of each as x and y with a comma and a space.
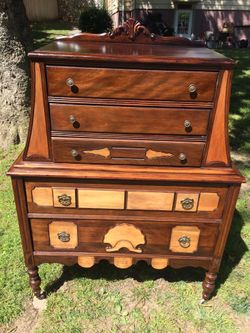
124, 235
131, 28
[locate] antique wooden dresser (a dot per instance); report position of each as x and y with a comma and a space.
127, 156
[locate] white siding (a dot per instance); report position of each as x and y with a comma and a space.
170, 4
39, 10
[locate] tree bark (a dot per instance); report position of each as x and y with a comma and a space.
15, 42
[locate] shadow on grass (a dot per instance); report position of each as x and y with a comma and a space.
141, 272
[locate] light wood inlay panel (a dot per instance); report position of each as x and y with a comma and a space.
159, 263
150, 200
68, 193
42, 196
100, 199
183, 196
58, 227
86, 262
208, 202
193, 233
123, 262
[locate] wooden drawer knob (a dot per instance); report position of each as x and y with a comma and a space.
182, 157
187, 124
72, 119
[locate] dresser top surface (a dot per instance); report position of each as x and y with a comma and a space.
130, 52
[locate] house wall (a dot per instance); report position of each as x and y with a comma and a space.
41, 10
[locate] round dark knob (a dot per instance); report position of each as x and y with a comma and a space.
70, 82
187, 124
192, 88
72, 119
182, 157
74, 153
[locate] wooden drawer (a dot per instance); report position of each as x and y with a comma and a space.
130, 83
132, 201
99, 236
115, 119
140, 152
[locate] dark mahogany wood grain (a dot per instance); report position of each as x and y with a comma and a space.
62, 151
118, 119
130, 84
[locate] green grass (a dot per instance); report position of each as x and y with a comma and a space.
139, 299
45, 32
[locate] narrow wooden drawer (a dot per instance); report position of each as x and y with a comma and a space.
130, 83
132, 201
115, 119
140, 152
99, 236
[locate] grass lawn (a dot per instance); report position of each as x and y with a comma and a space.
139, 299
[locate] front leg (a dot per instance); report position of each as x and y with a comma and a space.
208, 285
35, 282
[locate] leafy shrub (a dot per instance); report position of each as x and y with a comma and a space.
95, 20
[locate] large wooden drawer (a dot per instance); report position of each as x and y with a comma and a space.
131, 83
99, 236
131, 200
139, 152
118, 119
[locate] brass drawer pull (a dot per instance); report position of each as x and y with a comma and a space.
65, 200
184, 241
74, 153
187, 203
187, 124
70, 82
192, 88
72, 119
63, 236
182, 157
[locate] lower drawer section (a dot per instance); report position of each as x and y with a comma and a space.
98, 236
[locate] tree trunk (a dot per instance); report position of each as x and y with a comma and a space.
15, 42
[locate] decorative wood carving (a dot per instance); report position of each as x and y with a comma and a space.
159, 263
86, 262
132, 28
105, 152
124, 236
123, 262
157, 154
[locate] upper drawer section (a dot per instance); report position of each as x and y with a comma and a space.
115, 119
131, 83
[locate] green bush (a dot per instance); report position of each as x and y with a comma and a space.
95, 20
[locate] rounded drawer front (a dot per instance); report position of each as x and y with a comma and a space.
131, 83
109, 119
119, 237
138, 152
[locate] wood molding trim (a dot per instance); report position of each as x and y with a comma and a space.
38, 147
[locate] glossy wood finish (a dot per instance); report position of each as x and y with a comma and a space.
131, 84
127, 156
127, 151
117, 119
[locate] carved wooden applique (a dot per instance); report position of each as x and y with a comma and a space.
124, 236
150, 154
105, 152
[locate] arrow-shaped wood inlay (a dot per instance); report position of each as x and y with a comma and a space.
105, 152
150, 154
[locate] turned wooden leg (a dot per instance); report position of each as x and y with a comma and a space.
208, 285
35, 282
